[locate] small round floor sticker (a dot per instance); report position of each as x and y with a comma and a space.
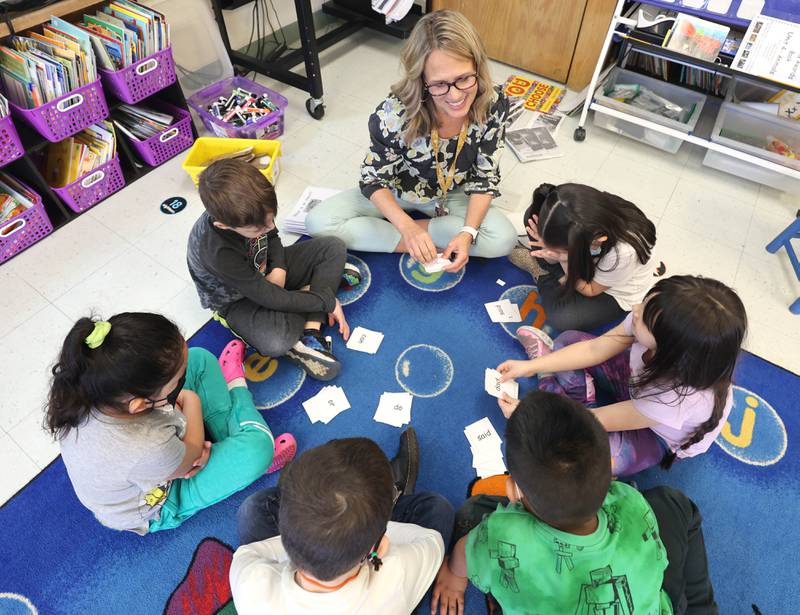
173, 205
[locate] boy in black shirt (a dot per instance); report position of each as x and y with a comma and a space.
275, 298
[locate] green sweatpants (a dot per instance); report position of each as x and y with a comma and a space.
242, 444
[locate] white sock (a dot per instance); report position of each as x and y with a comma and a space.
237, 382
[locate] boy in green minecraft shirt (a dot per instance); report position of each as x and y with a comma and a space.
568, 540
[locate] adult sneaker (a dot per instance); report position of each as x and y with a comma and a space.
405, 465
312, 353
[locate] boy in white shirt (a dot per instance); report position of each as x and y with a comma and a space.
345, 546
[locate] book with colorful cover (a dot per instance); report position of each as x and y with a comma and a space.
539, 95
696, 37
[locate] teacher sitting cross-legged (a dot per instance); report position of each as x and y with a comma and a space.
435, 147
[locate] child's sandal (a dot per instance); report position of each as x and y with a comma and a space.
231, 359
285, 450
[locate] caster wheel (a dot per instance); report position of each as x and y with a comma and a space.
579, 134
315, 108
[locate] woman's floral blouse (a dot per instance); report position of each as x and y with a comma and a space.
408, 169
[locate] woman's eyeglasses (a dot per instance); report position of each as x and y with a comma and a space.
440, 88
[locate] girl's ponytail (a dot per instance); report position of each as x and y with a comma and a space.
720, 400
540, 196
137, 356
68, 402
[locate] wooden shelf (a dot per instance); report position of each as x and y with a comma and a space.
24, 20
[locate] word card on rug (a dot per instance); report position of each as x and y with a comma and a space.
487, 458
503, 311
364, 340
394, 409
326, 404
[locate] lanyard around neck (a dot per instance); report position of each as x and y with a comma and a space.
444, 183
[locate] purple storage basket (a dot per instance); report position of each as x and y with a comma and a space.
63, 117
93, 187
24, 230
268, 127
161, 147
10, 145
138, 81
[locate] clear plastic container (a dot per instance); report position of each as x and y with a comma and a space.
748, 130
692, 103
267, 127
197, 48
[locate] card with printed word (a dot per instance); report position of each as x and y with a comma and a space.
487, 456
437, 265
495, 388
325, 405
364, 340
503, 311
394, 409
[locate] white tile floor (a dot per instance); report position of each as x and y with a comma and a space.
126, 255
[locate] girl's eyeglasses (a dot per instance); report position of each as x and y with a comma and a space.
440, 88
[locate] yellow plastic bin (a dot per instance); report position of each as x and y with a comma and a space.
206, 149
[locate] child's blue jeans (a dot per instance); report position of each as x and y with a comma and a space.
257, 518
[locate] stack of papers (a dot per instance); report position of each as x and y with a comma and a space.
80, 154
364, 340
295, 222
326, 404
436, 265
394, 409
503, 311
487, 458
393, 10
495, 388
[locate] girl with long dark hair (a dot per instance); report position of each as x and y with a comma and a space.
151, 432
591, 255
668, 366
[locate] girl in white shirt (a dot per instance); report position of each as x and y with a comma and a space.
592, 255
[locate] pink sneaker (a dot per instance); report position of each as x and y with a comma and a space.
231, 359
535, 341
285, 450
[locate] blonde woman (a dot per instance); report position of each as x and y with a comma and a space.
436, 143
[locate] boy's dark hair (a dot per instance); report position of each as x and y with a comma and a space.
140, 355
558, 454
237, 194
336, 500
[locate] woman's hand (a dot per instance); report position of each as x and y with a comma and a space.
459, 245
200, 463
337, 316
507, 405
418, 242
512, 369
